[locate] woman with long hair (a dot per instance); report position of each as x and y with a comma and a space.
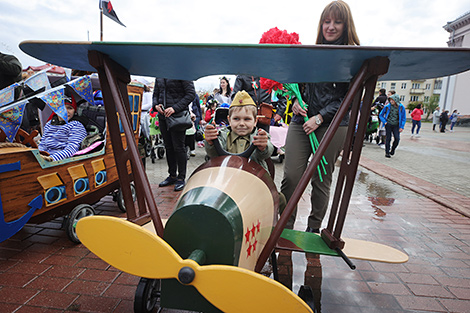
336, 27
225, 92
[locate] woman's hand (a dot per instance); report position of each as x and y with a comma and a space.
210, 133
297, 109
160, 108
169, 111
311, 125
260, 140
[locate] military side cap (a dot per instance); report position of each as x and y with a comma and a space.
242, 98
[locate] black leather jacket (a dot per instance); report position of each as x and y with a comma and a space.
244, 82
323, 98
179, 93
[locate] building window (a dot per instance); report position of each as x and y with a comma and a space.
438, 84
383, 85
415, 86
402, 98
414, 98
392, 86
428, 86
426, 98
403, 85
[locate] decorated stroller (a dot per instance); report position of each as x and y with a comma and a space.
157, 148
372, 126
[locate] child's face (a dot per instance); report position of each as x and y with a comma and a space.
242, 121
70, 111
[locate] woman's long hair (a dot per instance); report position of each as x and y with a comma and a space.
339, 10
229, 89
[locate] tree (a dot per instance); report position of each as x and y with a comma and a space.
431, 105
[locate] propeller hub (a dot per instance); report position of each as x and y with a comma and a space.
186, 275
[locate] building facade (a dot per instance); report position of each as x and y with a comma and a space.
455, 87
452, 90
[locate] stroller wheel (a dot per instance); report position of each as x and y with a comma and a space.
160, 152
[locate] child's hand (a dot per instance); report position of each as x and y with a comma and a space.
210, 133
260, 140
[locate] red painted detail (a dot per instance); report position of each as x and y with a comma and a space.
258, 226
248, 251
253, 230
254, 245
247, 235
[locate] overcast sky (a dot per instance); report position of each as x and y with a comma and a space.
397, 23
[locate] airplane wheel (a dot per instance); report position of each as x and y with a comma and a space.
77, 213
306, 294
160, 152
120, 198
147, 295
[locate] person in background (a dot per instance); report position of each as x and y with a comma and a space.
393, 116
62, 139
435, 118
444, 119
172, 96
379, 104
336, 26
453, 119
210, 111
10, 70
416, 119
225, 92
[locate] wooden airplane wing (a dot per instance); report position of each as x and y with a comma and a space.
283, 63
355, 249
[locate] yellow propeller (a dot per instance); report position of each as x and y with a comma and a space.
134, 250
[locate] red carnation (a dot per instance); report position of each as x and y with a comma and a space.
276, 36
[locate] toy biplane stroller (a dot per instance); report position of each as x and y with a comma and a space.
225, 225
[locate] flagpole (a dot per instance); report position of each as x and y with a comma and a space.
101, 24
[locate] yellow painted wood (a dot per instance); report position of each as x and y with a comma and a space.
128, 247
245, 291
49, 181
98, 165
372, 251
77, 172
134, 250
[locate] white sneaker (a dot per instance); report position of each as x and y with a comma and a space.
417, 136
412, 135
192, 153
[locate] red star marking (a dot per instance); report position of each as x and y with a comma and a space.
258, 227
247, 235
254, 245
248, 251
253, 231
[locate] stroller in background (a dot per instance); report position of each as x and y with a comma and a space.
372, 126
156, 146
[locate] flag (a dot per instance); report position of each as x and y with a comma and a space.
38, 80
82, 87
109, 11
7, 94
10, 120
55, 100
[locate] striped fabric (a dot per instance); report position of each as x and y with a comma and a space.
62, 141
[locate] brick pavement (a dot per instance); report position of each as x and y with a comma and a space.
41, 271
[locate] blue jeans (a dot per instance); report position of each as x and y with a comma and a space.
415, 123
389, 130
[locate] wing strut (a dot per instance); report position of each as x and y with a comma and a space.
365, 79
113, 80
